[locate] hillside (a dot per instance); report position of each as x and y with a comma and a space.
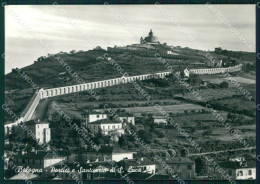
91, 65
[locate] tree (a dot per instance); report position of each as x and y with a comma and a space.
224, 84
199, 165
72, 52
122, 141
145, 136
184, 152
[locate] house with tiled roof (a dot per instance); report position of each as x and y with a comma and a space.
40, 129
107, 127
126, 117
38, 159
237, 170
143, 165
93, 116
184, 167
103, 154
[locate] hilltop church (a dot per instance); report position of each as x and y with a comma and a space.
150, 39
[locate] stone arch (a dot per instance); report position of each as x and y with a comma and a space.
101, 84
76, 88
60, 91
108, 83
64, 90
51, 93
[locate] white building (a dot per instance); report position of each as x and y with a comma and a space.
105, 153
121, 155
143, 165
159, 120
245, 170
106, 126
187, 72
94, 116
41, 131
126, 117
38, 159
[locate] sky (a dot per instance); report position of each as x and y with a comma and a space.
34, 31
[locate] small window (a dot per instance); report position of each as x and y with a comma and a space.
108, 127
97, 116
240, 173
113, 126
250, 172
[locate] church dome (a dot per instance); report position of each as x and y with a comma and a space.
151, 38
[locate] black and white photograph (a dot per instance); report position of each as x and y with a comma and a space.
129, 92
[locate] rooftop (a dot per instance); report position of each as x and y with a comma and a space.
41, 154
33, 122
105, 121
179, 160
124, 114
93, 112
238, 165
109, 149
138, 161
159, 117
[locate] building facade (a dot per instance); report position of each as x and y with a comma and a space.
41, 131
106, 127
95, 116
142, 165
184, 167
150, 39
159, 120
38, 159
126, 117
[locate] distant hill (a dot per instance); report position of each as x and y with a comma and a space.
91, 65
